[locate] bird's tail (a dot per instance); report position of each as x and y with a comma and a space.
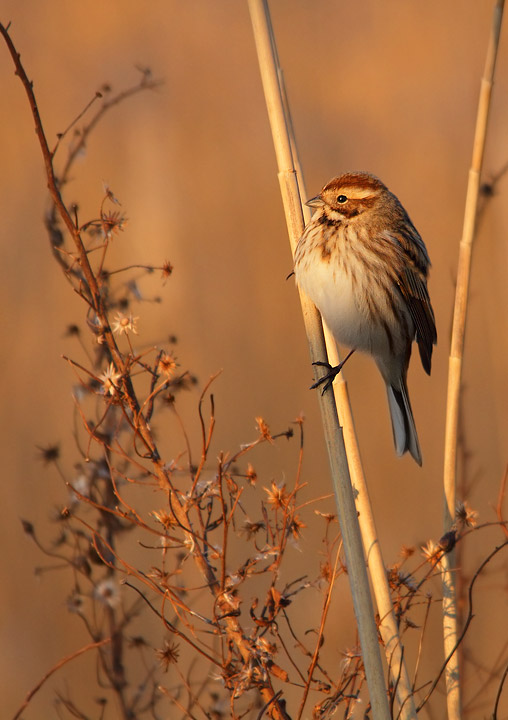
403, 424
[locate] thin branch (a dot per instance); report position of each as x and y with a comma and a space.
500, 499
498, 694
315, 656
469, 618
59, 664
62, 135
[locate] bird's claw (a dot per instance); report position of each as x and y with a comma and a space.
330, 376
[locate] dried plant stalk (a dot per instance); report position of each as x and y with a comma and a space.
333, 432
388, 626
134, 413
450, 628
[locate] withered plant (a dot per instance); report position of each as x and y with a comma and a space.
178, 584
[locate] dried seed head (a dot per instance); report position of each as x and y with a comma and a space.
49, 454
168, 655
167, 365
277, 496
110, 379
167, 269
107, 592
124, 324
465, 515
432, 552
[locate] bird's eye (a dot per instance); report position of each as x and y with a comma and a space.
342, 199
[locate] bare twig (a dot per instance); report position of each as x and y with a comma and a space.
500, 500
315, 656
467, 623
499, 693
59, 664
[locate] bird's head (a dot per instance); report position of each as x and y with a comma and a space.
349, 195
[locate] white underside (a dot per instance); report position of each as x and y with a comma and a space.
345, 311
349, 303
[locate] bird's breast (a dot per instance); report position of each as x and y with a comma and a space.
341, 275
331, 279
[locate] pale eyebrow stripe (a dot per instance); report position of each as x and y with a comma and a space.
359, 193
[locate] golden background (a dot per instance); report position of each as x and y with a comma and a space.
387, 87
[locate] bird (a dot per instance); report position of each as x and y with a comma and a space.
364, 265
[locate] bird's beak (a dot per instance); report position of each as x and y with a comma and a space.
315, 202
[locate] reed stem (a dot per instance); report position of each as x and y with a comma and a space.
346, 509
450, 619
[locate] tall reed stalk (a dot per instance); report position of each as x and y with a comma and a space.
450, 619
286, 153
388, 626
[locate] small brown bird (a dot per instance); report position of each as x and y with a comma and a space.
364, 265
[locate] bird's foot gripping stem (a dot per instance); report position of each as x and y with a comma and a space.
332, 373
330, 376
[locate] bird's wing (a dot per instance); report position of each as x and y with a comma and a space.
413, 287
414, 290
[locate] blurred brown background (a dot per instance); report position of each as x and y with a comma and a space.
387, 87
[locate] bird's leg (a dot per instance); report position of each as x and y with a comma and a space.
332, 373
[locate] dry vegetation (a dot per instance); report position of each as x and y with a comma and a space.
176, 564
